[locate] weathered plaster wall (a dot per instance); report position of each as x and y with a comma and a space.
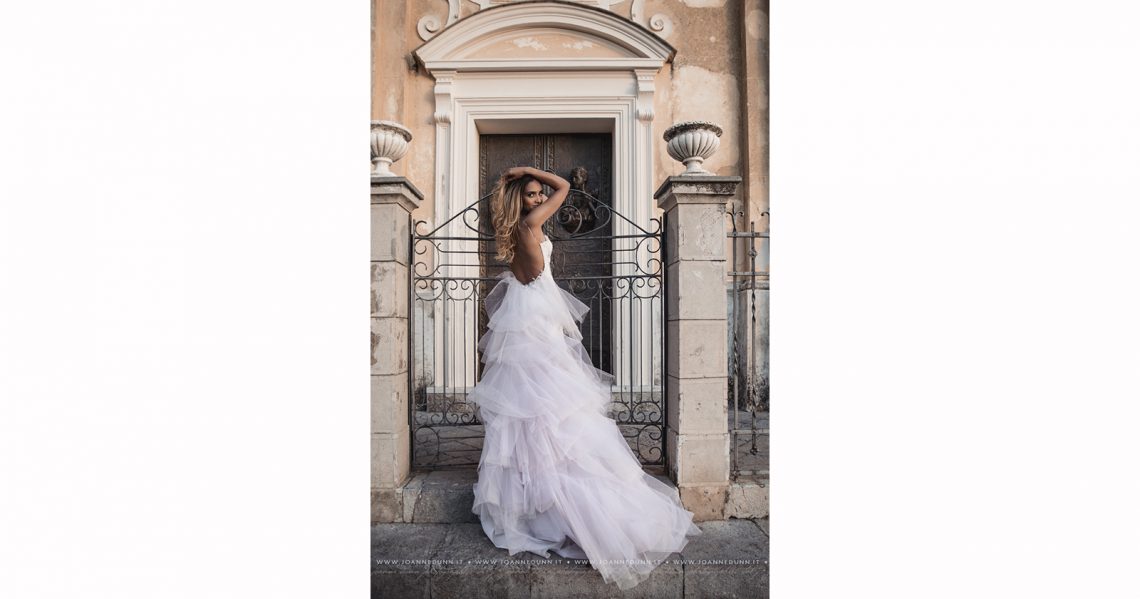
701, 84
401, 93
388, 71
754, 108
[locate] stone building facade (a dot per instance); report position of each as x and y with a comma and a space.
458, 73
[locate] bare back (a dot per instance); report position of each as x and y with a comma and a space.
528, 262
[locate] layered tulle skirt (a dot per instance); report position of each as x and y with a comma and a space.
556, 474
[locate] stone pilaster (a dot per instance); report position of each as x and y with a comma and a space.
697, 437
393, 199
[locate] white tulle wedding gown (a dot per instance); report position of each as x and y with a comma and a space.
555, 473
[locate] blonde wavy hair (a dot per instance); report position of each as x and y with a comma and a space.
506, 212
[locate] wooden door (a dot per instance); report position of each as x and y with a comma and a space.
580, 232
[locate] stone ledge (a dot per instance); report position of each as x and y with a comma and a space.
437, 497
396, 190
695, 189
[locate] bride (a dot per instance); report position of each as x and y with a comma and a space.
555, 473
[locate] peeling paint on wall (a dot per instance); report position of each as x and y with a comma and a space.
552, 43
578, 45
529, 42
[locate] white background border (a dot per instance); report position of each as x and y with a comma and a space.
183, 328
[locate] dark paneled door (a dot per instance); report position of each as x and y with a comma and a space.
581, 261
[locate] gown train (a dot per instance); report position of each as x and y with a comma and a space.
556, 474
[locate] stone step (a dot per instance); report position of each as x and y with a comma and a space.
440, 496
446, 496
729, 559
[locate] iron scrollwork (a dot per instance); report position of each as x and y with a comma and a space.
619, 276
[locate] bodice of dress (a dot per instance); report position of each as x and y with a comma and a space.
541, 300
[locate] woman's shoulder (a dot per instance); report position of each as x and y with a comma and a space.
535, 233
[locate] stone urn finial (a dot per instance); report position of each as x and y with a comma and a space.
691, 142
389, 144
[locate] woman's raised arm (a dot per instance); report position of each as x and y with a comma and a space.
545, 210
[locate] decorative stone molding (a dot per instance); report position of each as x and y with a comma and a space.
606, 4
661, 24
658, 23
645, 91
691, 142
637, 11
389, 144
429, 25
443, 97
458, 49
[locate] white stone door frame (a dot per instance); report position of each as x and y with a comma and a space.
611, 108
476, 90
481, 76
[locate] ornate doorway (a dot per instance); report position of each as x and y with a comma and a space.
582, 254
609, 262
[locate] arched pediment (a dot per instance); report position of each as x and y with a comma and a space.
543, 43
545, 35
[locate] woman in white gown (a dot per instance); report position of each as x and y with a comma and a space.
555, 473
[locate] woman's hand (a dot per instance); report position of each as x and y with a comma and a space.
546, 178
515, 172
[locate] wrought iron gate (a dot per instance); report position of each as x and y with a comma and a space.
747, 384
453, 269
